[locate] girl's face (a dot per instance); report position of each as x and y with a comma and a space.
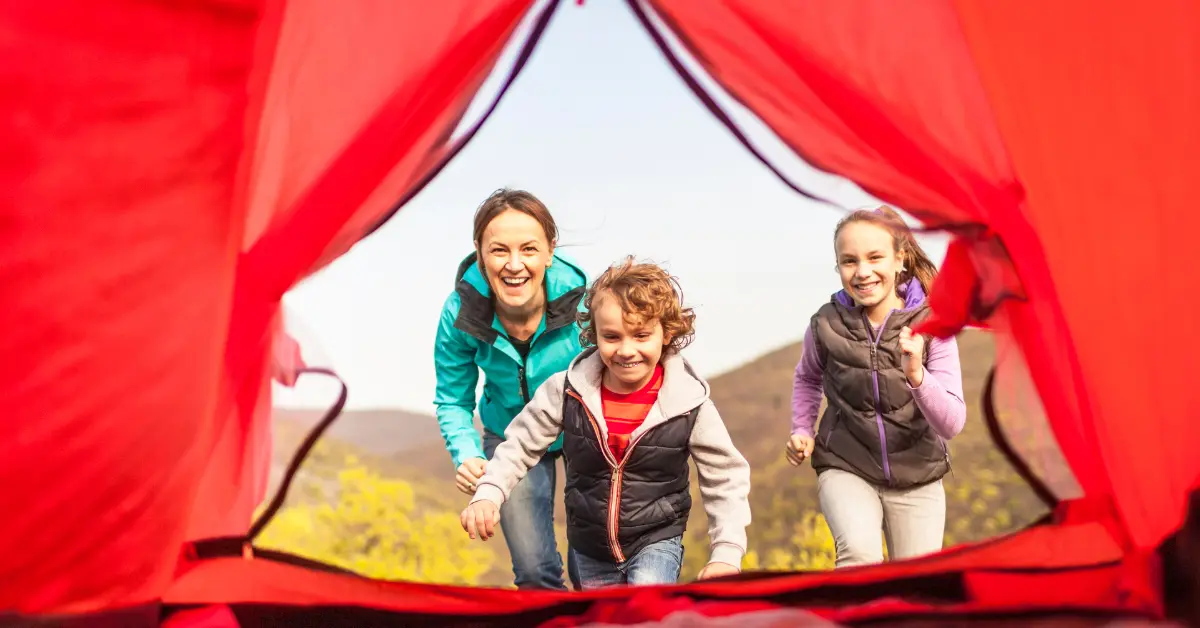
867, 262
629, 348
515, 256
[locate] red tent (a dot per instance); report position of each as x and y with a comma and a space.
170, 169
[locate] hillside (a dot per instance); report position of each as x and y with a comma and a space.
382, 432
383, 435
985, 497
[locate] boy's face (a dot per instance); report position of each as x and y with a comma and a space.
630, 348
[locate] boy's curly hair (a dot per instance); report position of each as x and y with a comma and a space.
644, 291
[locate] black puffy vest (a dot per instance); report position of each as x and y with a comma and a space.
650, 487
870, 403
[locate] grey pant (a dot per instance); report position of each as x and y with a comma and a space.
913, 520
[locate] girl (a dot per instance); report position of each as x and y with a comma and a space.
894, 399
632, 411
511, 315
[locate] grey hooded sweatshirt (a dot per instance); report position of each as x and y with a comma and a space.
617, 507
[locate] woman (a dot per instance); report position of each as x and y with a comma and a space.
894, 399
511, 315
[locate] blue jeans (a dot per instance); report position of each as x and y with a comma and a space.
527, 521
657, 563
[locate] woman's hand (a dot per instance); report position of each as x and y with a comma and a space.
912, 347
480, 519
799, 449
468, 474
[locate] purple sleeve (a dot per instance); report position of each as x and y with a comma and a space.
940, 395
806, 388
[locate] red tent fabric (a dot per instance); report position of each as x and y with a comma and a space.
121, 146
322, 167
171, 169
967, 112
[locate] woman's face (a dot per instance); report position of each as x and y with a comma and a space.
515, 255
867, 262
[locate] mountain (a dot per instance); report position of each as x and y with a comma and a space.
381, 432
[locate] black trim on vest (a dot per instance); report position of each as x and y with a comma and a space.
476, 310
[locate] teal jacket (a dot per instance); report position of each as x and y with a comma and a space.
470, 338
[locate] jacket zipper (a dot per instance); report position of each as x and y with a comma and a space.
522, 381
524, 384
883, 453
614, 494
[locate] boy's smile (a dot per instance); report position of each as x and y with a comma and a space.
629, 347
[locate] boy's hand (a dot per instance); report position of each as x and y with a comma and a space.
716, 570
799, 449
480, 519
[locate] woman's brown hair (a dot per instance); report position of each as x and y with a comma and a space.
916, 261
645, 291
505, 199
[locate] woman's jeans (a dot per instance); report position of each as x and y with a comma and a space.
913, 520
527, 521
657, 563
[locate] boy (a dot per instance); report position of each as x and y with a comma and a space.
632, 412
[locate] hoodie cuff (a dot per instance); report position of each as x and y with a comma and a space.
727, 553
490, 492
926, 388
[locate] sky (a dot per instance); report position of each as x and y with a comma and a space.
602, 130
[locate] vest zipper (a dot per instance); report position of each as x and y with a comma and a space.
946, 451
614, 493
883, 453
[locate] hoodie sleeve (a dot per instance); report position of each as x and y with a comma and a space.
940, 395
806, 388
724, 486
526, 440
457, 377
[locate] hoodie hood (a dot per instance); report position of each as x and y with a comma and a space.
682, 389
912, 293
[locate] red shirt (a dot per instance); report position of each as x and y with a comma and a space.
623, 413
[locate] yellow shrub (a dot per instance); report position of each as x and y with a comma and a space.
374, 527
